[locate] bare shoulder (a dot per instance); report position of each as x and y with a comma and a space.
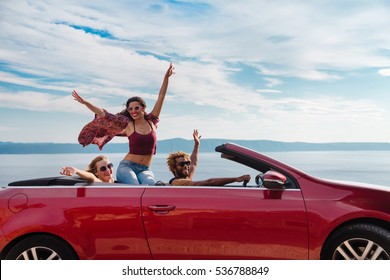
182, 182
129, 128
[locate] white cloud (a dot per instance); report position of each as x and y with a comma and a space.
384, 72
316, 120
272, 82
34, 101
7, 128
268, 91
44, 58
243, 31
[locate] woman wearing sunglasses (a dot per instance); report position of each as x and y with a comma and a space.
134, 123
99, 170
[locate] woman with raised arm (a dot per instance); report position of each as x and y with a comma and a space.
99, 170
133, 122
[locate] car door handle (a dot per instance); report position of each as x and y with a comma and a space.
161, 208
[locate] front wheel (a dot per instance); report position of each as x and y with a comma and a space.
358, 242
41, 247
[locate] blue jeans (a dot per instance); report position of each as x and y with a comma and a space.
132, 173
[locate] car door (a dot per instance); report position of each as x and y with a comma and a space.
225, 223
109, 219
99, 222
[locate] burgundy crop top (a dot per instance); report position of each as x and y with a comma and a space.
143, 144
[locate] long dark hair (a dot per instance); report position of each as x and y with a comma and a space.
132, 99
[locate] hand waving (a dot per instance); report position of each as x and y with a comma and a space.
170, 71
196, 136
77, 97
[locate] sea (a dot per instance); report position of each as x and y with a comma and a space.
371, 167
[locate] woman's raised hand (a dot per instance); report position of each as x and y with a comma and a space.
77, 97
68, 170
98, 111
170, 71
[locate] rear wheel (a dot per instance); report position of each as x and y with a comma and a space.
358, 242
41, 247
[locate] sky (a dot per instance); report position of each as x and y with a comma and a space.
291, 71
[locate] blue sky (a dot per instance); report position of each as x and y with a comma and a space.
311, 71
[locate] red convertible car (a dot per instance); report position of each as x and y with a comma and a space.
284, 214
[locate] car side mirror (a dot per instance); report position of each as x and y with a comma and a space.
259, 180
274, 180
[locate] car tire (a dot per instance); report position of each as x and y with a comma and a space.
41, 247
358, 242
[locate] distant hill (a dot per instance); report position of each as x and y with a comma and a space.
176, 144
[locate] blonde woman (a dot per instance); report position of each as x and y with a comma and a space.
99, 170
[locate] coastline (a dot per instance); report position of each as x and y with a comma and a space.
207, 145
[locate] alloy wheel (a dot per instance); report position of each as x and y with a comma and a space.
39, 253
360, 249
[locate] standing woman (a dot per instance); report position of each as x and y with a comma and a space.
133, 122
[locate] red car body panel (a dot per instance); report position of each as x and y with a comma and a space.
331, 204
99, 222
164, 222
221, 223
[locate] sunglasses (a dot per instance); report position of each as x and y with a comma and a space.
136, 108
182, 163
104, 168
